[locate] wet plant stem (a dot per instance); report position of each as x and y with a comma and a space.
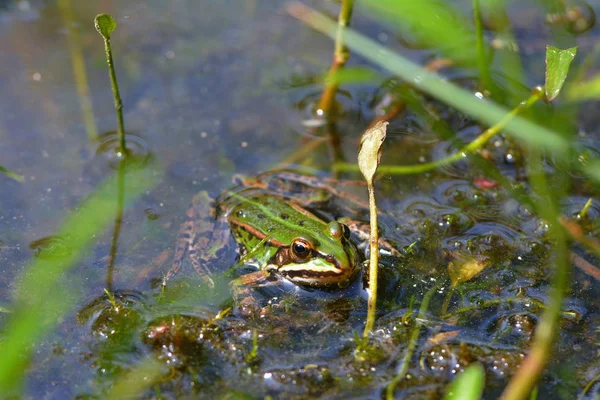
472, 147
369, 157
373, 261
340, 57
116, 95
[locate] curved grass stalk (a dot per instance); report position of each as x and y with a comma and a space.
473, 146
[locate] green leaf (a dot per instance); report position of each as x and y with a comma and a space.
557, 68
369, 154
11, 174
105, 25
468, 385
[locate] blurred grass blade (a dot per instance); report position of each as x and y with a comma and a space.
11, 174
483, 63
352, 75
588, 90
557, 68
431, 23
593, 169
135, 382
468, 385
41, 297
484, 111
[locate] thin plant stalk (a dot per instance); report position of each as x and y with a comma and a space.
340, 57
369, 157
79, 70
473, 146
528, 375
482, 61
116, 95
412, 345
373, 261
105, 25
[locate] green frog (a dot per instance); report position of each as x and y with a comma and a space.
268, 219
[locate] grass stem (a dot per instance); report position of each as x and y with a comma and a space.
473, 146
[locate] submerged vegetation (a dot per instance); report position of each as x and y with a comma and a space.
485, 282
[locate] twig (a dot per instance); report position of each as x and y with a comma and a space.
340, 57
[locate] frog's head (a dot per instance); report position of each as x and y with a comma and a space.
320, 259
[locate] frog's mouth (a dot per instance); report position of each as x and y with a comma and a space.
319, 270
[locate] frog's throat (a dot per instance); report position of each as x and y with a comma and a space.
319, 263
317, 272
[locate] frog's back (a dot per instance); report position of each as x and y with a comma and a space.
273, 216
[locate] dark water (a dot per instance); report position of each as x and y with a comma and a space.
214, 88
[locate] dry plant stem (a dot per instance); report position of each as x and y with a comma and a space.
585, 266
79, 71
577, 234
117, 96
340, 57
475, 145
527, 376
373, 261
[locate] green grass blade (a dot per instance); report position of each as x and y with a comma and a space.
11, 174
141, 377
484, 111
468, 385
41, 298
432, 23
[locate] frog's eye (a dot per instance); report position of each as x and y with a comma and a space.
335, 229
301, 249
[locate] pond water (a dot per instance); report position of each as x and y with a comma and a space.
212, 89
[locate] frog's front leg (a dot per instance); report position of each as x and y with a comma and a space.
363, 230
242, 288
